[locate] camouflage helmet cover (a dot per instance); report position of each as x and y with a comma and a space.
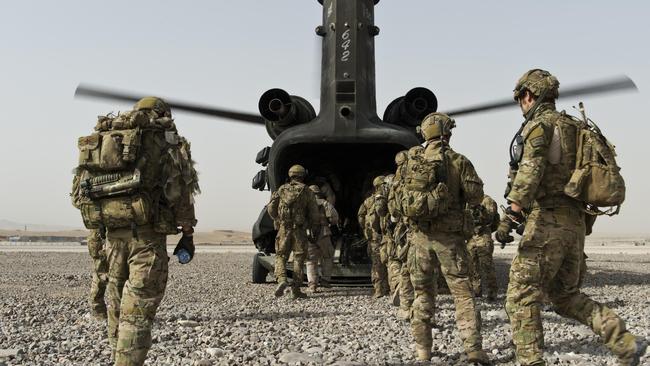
155, 104
297, 171
400, 157
436, 125
378, 181
389, 179
314, 188
537, 81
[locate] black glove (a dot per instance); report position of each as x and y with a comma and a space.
503, 232
187, 243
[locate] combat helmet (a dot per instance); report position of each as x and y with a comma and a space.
155, 104
389, 179
378, 181
297, 171
435, 125
400, 157
538, 82
314, 188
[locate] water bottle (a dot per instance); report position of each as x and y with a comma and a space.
183, 256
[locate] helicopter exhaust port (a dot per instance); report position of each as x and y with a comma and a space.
281, 111
409, 110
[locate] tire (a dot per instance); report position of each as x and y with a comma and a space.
259, 272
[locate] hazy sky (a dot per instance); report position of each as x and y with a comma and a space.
226, 53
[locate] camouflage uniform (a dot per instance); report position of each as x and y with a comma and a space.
443, 239
137, 253
292, 224
481, 248
100, 274
388, 225
322, 250
369, 216
549, 258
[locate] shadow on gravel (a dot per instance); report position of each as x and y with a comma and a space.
271, 316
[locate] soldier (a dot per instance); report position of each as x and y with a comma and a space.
549, 258
388, 226
136, 182
369, 216
405, 288
322, 249
438, 184
294, 210
481, 248
99, 276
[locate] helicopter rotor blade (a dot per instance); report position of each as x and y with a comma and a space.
621, 83
100, 93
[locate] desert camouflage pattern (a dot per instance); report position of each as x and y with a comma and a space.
443, 240
550, 261
481, 249
322, 251
390, 256
99, 275
137, 277
370, 222
292, 231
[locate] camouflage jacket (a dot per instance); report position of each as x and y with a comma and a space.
328, 216
547, 161
487, 216
369, 215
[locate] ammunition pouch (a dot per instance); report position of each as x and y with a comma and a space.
116, 212
109, 150
423, 204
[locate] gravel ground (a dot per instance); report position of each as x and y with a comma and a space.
213, 315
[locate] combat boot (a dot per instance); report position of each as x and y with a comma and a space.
479, 357
297, 294
279, 291
312, 288
422, 353
404, 315
633, 356
99, 313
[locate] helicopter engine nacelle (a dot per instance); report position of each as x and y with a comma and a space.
410, 109
281, 111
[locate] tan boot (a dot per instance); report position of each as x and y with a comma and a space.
279, 291
422, 353
297, 294
479, 357
637, 348
312, 288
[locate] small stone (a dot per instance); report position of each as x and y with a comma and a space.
215, 352
188, 323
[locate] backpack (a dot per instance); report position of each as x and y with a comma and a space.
597, 179
115, 186
423, 194
290, 209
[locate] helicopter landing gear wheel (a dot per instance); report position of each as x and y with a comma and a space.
259, 272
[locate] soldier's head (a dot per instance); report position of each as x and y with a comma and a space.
154, 104
378, 182
316, 189
536, 85
437, 126
297, 172
400, 158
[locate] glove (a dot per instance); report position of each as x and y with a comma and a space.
503, 232
187, 243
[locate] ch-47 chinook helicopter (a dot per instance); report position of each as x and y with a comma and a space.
346, 144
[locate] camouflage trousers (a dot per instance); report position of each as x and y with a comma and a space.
406, 292
481, 249
449, 249
100, 273
393, 265
287, 241
378, 271
137, 277
548, 265
322, 251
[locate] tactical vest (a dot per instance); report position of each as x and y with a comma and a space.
423, 192
118, 182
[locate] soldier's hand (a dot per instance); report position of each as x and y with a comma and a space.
186, 242
503, 232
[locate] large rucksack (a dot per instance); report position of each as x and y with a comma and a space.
597, 179
115, 184
423, 194
290, 207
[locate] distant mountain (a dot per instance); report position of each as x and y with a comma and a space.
12, 225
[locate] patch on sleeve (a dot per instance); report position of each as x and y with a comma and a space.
536, 136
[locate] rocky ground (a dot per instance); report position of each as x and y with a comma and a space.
213, 315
